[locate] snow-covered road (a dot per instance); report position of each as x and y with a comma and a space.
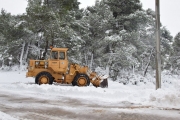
21, 99
21, 107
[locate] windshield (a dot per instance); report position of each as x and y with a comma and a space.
55, 55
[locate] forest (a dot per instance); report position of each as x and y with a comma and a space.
114, 34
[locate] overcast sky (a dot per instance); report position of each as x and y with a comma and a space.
169, 13
169, 10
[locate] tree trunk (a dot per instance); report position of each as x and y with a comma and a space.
142, 67
145, 71
107, 70
133, 68
26, 53
91, 61
21, 57
85, 57
2, 63
46, 47
52, 38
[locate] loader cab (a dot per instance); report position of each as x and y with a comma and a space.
58, 55
58, 60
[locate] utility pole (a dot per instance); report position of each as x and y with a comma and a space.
158, 53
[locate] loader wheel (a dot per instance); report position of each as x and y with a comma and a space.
44, 78
81, 80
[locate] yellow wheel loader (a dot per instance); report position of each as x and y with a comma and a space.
56, 69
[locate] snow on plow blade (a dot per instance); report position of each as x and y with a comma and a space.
99, 81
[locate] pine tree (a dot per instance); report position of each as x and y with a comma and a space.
49, 19
175, 56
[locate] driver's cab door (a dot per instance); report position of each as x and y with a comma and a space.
59, 61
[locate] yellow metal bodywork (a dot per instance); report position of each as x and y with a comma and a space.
60, 71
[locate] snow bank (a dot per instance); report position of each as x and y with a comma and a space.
169, 94
165, 98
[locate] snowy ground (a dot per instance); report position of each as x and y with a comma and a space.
21, 99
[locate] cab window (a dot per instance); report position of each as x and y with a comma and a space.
62, 55
54, 55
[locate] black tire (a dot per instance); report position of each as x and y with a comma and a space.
81, 80
36, 80
44, 78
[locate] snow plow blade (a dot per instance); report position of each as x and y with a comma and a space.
99, 81
104, 83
